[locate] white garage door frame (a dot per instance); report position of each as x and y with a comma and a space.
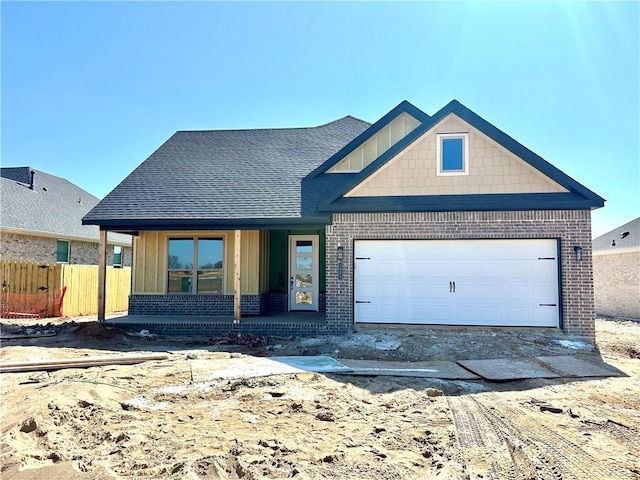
484, 282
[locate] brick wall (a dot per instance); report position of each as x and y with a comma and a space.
199, 305
211, 305
200, 328
616, 280
571, 227
31, 248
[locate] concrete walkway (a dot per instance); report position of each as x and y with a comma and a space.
498, 370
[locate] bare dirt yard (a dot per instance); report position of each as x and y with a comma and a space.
154, 420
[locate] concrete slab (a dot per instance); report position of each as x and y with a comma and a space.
245, 366
318, 363
570, 366
436, 369
504, 369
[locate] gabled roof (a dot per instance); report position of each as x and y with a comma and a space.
54, 207
223, 178
578, 197
402, 107
277, 178
625, 238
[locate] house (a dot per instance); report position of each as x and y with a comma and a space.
616, 272
41, 221
415, 219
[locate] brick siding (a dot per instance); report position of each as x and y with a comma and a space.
571, 227
212, 328
198, 305
616, 280
31, 248
213, 305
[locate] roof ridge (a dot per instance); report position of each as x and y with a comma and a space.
38, 179
634, 222
274, 128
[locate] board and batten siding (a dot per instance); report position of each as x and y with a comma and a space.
150, 260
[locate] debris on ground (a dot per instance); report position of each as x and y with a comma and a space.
245, 339
35, 330
143, 334
574, 344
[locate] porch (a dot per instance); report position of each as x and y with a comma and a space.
280, 324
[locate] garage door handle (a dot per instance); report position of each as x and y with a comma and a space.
454, 287
548, 305
362, 301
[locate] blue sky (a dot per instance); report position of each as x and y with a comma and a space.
89, 90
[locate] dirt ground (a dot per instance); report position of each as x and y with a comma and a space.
151, 420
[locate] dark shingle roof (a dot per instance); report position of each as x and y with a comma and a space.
54, 207
276, 178
220, 176
605, 243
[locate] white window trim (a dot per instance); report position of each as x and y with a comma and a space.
465, 154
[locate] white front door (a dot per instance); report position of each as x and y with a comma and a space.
303, 272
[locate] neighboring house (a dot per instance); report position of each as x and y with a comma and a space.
616, 271
414, 219
41, 221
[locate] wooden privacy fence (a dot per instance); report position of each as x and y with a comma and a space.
31, 282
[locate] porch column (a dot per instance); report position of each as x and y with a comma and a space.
102, 274
237, 293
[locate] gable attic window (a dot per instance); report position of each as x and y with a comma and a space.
380, 142
452, 153
62, 251
117, 256
194, 265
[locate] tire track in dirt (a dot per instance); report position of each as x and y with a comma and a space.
478, 438
519, 446
601, 417
556, 453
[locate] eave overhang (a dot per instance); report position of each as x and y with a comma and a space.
136, 225
454, 203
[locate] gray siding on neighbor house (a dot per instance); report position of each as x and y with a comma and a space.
571, 227
31, 248
616, 279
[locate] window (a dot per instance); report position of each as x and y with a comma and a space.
452, 154
117, 257
195, 265
62, 251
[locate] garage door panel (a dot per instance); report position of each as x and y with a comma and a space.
368, 269
542, 270
542, 294
497, 282
543, 317
392, 291
490, 291
414, 291
489, 269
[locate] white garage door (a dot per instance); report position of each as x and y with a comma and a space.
457, 282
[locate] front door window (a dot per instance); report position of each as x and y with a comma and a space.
303, 265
